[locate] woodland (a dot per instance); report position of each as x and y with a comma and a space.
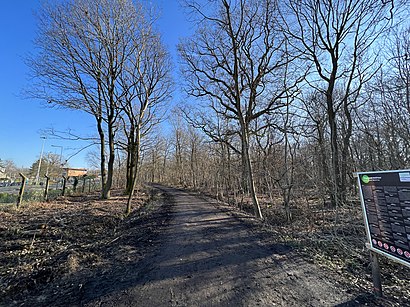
284, 101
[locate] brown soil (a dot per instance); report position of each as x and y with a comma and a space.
178, 250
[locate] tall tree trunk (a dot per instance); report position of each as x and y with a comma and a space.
102, 157
154, 165
248, 171
178, 154
245, 176
131, 156
323, 169
135, 175
111, 160
128, 171
164, 165
335, 195
345, 153
111, 110
193, 170
289, 166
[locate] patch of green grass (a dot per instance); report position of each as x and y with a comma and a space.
6, 198
53, 194
29, 196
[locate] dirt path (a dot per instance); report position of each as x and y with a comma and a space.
206, 257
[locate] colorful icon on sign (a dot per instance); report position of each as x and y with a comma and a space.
393, 249
407, 254
365, 179
380, 243
374, 242
386, 246
399, 251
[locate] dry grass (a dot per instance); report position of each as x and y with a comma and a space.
334, 239
42, 241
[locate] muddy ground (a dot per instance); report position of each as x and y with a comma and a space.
179, 249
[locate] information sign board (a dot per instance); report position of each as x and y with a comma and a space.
385, 198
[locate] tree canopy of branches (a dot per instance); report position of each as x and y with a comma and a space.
337, 37
147, 86
99, 57
238, 62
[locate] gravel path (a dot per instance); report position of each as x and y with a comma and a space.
205, 256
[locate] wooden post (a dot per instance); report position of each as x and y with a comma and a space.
84, 177
376, 276
64, 185
75, 184
23, 185
46, 188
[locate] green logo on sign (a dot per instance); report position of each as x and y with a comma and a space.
365, 179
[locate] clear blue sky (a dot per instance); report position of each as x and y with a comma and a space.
22, 120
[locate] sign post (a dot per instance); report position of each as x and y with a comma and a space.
385, 199
376, 275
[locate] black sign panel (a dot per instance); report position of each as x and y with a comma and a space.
386, 205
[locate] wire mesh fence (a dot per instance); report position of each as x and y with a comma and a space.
9, 193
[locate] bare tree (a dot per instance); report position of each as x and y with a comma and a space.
337, 36
179, 141
146, 85
236, 62
83, 47
399, 68
383, 123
